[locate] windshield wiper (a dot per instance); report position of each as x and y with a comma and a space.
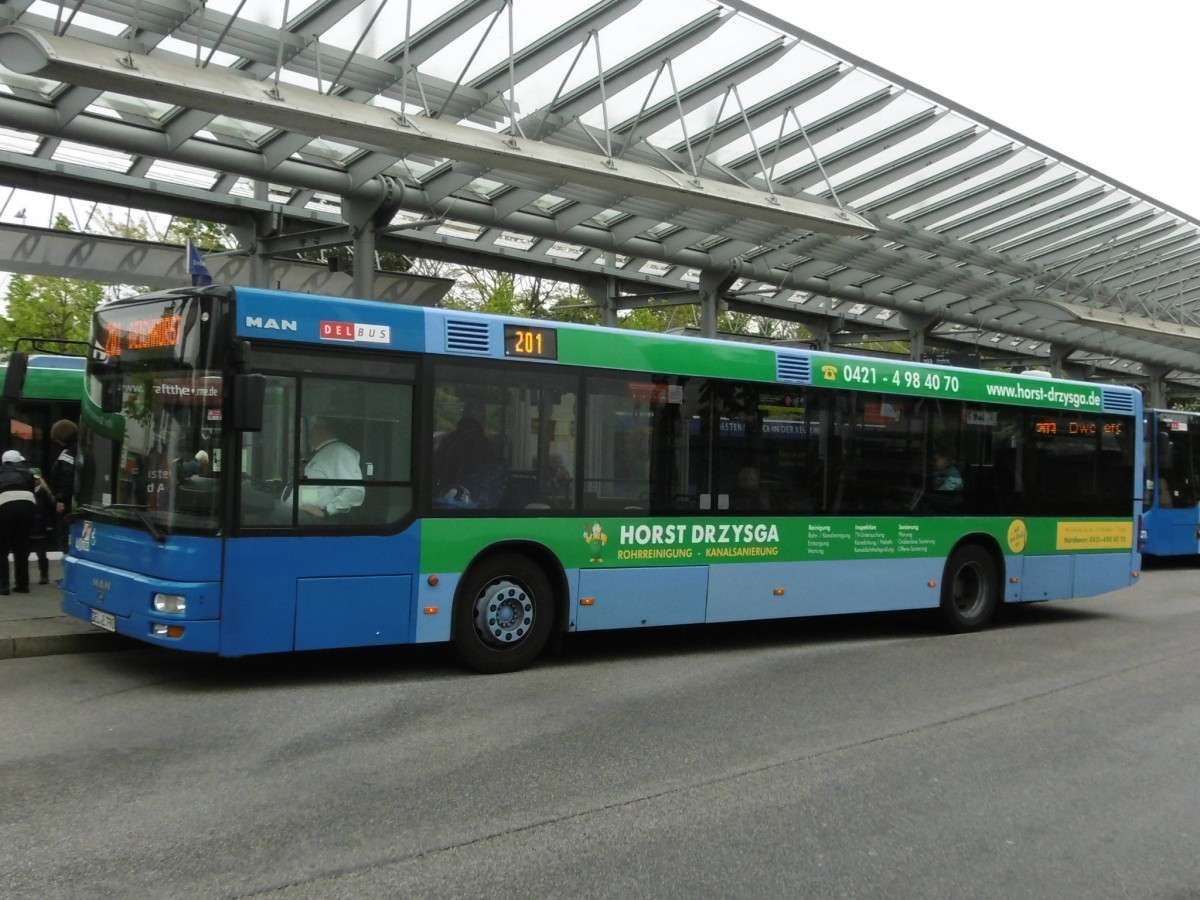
138, 510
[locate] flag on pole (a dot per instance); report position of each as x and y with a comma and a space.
196, 267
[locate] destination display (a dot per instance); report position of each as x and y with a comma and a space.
530, 342
145, 330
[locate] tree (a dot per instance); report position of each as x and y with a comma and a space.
48, 307
209, 236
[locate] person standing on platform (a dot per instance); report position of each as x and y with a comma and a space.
43, 536
16, 519
62, 477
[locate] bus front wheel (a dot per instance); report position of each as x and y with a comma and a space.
970, 591
503, 615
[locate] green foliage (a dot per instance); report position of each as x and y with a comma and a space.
209, 236
48, 307
657, 320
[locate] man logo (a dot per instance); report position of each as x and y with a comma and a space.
272, 324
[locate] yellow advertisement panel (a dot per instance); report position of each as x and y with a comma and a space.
1095, 535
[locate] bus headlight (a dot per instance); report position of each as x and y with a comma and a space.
170, 603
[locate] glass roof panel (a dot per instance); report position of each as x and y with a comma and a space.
94, 157
139, 107
80, 19
1008, 206
263, 12
42, 87
176, 173
19, 141
240, 129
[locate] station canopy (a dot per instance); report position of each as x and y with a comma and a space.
652, 152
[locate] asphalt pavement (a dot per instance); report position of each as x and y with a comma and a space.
33, 624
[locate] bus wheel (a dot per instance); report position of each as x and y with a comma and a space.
969, 589
503, 615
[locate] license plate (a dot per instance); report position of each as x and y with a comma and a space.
104, 620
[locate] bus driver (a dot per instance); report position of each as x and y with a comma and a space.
332, 460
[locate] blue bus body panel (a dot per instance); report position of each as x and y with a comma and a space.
747, 590
1064, 577
296, 593
299, 318
1172, 532
1100, 573
292, 593
115, 570
636, 598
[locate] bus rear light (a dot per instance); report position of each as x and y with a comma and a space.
431, 610
158, 629
433, 580
1137, 574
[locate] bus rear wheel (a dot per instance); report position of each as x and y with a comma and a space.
970, 590
503, 615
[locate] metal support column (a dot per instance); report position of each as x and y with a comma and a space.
918, 327
1156, 387
260, 265
1058, 359
710, 301
605, 297
364, 258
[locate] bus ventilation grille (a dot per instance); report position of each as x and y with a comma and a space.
1117, 401
793, 369
467, 337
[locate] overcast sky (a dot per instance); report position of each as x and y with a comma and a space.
1108, 85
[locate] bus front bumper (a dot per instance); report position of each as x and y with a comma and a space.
173, 614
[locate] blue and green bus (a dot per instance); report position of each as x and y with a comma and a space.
52, 389
263, 471
1171, 520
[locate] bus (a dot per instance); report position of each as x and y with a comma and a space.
1171, 520
52, 390
263, 471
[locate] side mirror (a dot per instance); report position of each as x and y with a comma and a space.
249, 395
14, 375
111, 398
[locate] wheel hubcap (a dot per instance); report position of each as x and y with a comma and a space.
970, 590
504, 613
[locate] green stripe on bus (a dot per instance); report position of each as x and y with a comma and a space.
635, 352
975, 386
448, 545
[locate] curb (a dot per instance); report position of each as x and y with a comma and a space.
52, 645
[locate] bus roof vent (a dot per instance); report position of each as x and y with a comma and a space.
464, 336
1117, 401
793, 369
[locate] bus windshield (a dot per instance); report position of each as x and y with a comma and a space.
157, 459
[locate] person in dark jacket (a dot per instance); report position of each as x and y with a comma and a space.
62, 477
43, 536
16, 519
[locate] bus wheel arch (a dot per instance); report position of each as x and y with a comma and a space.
972, 584
509, 603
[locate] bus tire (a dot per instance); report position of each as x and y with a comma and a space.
503, 614
970, 589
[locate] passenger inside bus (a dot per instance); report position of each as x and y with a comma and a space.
467, 470
946, 477
750, 494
